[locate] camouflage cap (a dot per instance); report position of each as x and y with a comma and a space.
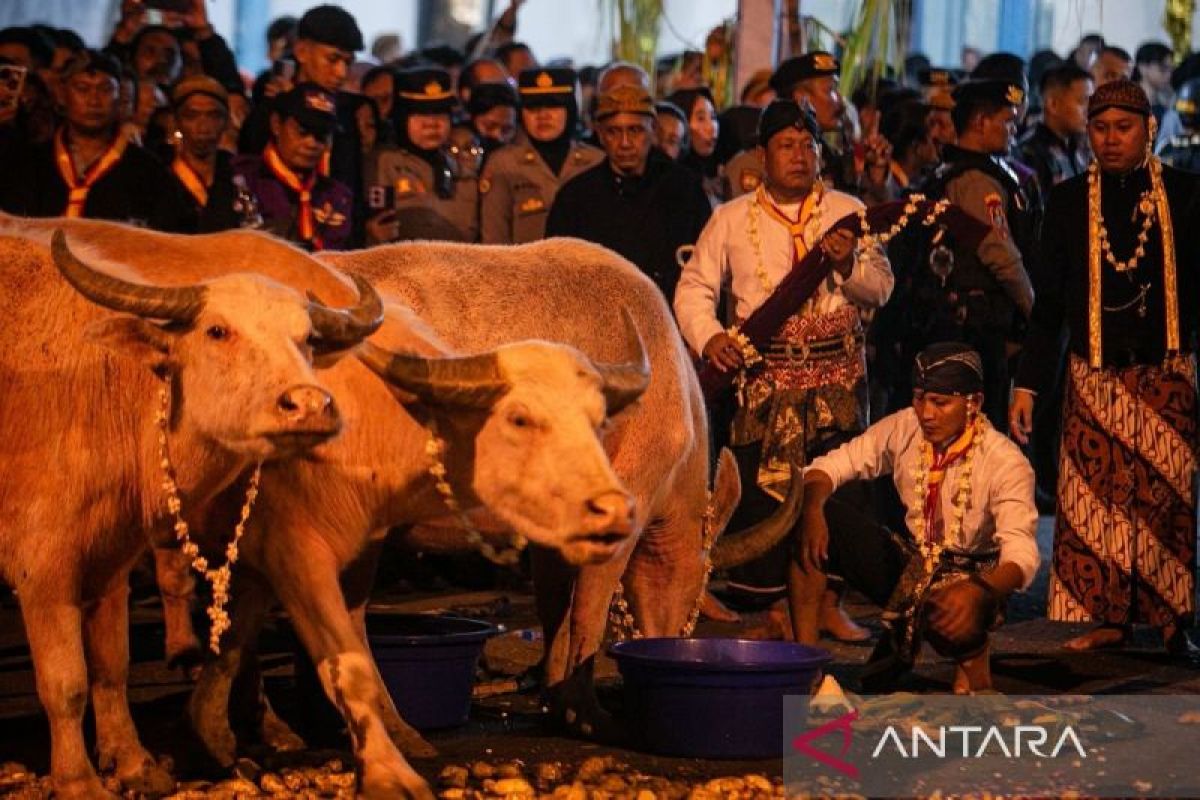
625, 100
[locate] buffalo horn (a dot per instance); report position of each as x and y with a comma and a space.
341, 328
471, 381
749, 543
624, 383
176, 303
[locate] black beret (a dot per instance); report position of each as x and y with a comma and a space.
948, 368
547, 86
800, 68
999, 92
424, 90
781, 114
331, 25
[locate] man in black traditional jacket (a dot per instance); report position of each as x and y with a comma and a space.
1123, 294
637, 201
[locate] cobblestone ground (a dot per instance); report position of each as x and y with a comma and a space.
505, 739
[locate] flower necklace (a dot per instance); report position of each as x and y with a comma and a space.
435, 448
620, 615
814, 220
1146, 206
219, 578
962, 496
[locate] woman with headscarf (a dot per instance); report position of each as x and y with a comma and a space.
703, 128
520, 180
418, 189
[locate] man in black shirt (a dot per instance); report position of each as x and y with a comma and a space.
90, 169
637, 202
1056, 148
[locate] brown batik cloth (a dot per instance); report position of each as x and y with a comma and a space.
811, 388
897, 649
1124, 537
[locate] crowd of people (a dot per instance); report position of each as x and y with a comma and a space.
1067, 320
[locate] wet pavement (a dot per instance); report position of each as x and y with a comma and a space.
506, 726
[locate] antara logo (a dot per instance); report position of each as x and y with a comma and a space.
992, 741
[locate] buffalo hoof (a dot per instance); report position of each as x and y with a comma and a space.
381, 783
413, 744
278, 736
89, 788
211, 724
147, 780
188, 660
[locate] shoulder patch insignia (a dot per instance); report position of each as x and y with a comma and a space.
995, 209
484, 185
749, 180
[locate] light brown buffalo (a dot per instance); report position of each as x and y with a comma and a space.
523, 426
80, 476
478, 298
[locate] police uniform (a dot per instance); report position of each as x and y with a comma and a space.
436, 195
518, 186
1182, 150
982, 293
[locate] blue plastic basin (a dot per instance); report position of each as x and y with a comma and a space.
428, 664
713, 698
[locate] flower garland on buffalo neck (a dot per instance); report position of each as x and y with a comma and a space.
435, 448
219, 578
930, 548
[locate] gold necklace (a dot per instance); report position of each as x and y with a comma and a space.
219, 578
1146, 206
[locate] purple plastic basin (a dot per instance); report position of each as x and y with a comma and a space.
713, 698
428, 664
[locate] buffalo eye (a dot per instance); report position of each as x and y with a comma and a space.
519, 419
216, 332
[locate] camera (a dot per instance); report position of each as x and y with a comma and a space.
381, 197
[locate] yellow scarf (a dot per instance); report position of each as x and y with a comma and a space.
303, 190
79, 186
938, 464
191, 180
795, 227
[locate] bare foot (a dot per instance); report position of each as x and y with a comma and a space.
838, 624
714, 609
1105, 636
974, 674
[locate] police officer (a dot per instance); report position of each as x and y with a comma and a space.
978, 297
1183, 150
937, 86
520, 181
433, 194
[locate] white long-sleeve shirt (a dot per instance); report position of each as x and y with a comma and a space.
725, 253
1000, 513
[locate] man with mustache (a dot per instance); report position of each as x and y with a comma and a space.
1122, 293
812, 395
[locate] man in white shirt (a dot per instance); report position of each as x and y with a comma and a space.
968, 496
810, 394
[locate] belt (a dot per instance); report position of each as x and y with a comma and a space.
1127, 357
815, 349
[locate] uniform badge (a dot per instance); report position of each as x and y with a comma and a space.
484, 185
995, 209
408, 186
749, 180
532, 205
329, 216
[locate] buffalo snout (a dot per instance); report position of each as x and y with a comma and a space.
610, 515
308, 407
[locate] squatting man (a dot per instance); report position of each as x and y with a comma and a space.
970, 542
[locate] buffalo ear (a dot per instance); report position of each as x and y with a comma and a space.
132, 337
